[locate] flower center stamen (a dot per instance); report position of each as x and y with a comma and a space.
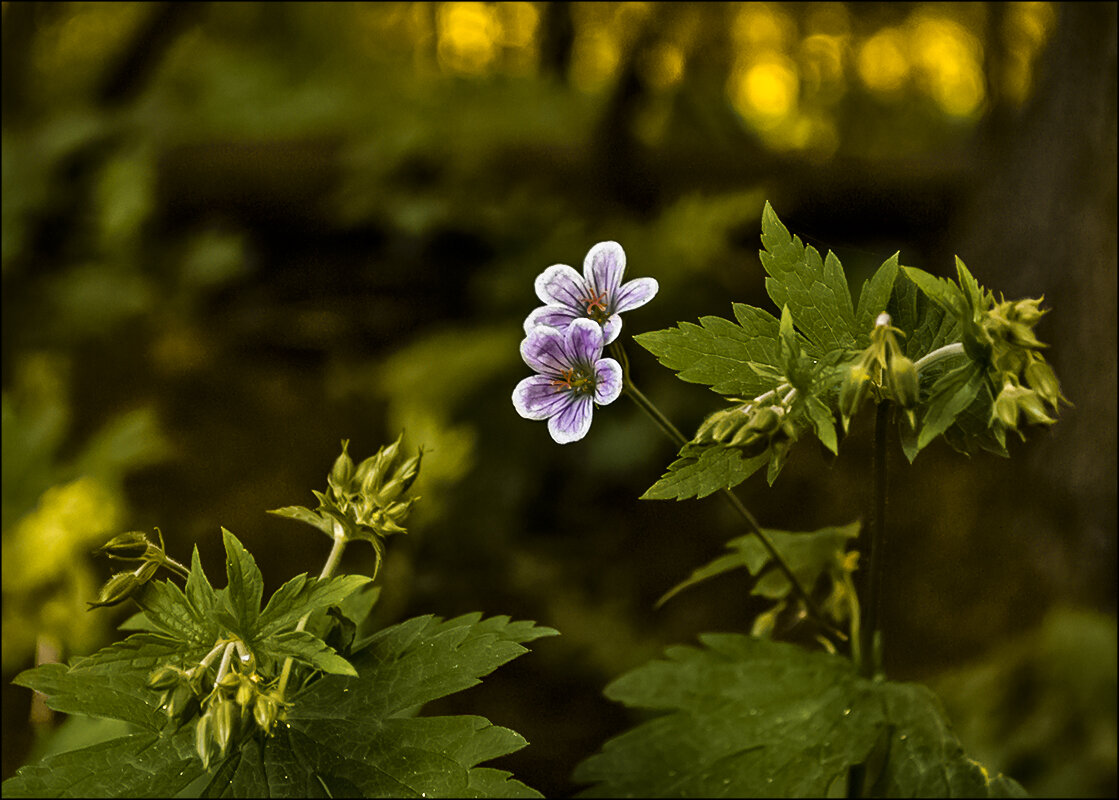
595, 305
574, 380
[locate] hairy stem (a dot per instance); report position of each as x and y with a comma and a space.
670, 430
954, 349
327, 570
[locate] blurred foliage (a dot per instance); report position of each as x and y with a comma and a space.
277, 226
1042, 706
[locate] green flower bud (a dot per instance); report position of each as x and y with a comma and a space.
1027, 311
342, 471
165, 678
131, 546
1043, 380
246, 691
731, 420
903, 383
410, 470
1031, 407
765, 420
853, 390
178, 701
229, 680
224, 721
203, 743
754, 445
116, 590
265, 711
1005, 407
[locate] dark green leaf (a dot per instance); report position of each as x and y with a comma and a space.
359, 736
874, 299
823, 421
169, 612
808, 554
308, 649
815, 290
245, 584
950, 395
302, 595
203, 599
715, 467
747, 717
739, 360
111, 683
140, 765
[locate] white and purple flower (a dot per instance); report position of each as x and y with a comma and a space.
572, 376
598, 294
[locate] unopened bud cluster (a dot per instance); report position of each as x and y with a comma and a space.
370, 495
227, 700
1029, 388
882, 368
132, 546
753, 428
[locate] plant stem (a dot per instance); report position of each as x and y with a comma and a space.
670, 430
327, 570
954, 349
874, 552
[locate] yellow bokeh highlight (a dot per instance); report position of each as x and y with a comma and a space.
949, 60
762, 26
45, 543
821, 59
765, 92
1026, 29
662, 66
595, 60
467, 37
883, 62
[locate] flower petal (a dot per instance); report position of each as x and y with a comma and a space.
553, 316
561, 284
583, 342
607, 381
634, 294
603, 268
544, 350
573, 422
611, 328
536, 398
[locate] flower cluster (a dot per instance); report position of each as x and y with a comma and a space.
1028, 387
565, 337
882, 365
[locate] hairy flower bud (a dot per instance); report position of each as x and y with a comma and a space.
179, 699
165, 678
203, 743
853, 391
342, 471
903, 382
265, 711
116, 590
131, 546
1005, 407
246, 691
1043, 380
1033, 410
224, 721
766, 420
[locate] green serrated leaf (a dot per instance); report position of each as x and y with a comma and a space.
733, 359
305, 515
808, 554
822, 421
245, 584
169, 612
199, 592
357, 736
815, 290
748, 717
714, 468
874, 298
302, 595
139, 765
940, 290
308, 649
110, 684
950, 395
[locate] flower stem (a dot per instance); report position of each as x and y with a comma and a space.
670, 430
954, 349
870, 661
327, 570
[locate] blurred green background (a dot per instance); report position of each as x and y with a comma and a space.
235, 234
